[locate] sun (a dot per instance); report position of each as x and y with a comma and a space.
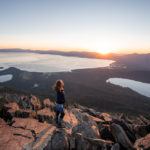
103, 48
104, 51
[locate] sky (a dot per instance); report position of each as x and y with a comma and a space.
121, 26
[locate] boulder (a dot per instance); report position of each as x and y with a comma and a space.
7, 140
96, 119
106, 117
70, 119
48, 103
120, 136
127, 128
43, 140
90, 111
141, 130
59, 141
13, 106
13, 138
143, 143
8, 111
145, 120
86, 125
78, 114
45, 115
80, 143
23, 113
83, 142
105, 132
35, 102
83, 117
40, 133
30, 124
86, 130
116, 146
2, 123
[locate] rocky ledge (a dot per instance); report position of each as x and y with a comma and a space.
21, 128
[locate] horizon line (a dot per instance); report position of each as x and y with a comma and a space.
67, 51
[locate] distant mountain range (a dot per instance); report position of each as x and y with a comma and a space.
135, 61
131, 61
83, 54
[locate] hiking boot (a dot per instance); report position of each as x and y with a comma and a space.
56, 120
59, 125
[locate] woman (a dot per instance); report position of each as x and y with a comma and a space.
59, 88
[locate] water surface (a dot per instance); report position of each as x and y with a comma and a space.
48, 63
139, 87
5, 78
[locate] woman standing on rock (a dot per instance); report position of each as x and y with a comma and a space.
59, 88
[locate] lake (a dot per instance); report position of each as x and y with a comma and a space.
139, 87
34, 62
5, 78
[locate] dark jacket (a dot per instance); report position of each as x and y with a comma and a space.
60, 97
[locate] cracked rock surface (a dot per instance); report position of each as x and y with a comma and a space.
21, 128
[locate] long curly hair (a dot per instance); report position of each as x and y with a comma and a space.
59, 85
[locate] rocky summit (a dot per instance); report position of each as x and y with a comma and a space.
25, 128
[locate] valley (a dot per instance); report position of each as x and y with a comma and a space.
87, 87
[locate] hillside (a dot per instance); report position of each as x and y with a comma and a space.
21, 128
87, 87
135, 61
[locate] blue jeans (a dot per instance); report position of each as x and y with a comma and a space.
59, 108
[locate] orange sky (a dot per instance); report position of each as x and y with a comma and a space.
93, 25
79, 42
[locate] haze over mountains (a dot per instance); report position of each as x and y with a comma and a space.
85, 54
132, 61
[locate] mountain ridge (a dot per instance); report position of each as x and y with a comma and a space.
82, 54
84, 128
